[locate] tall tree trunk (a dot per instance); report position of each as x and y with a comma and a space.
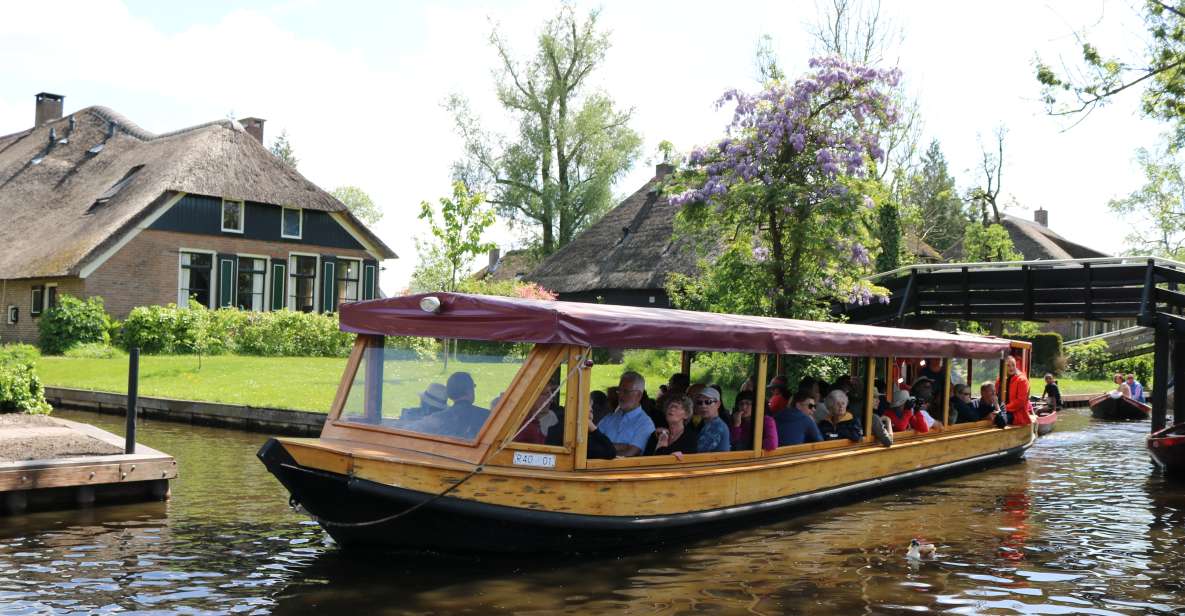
781, 307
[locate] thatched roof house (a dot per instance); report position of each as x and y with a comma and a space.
625, 257
95, 205
1035, 241
513, 265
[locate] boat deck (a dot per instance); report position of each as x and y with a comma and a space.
82, 480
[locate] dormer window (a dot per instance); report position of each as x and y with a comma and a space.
291, 223
232, 216
110, 193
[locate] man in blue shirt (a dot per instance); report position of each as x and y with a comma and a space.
796, 423
628, 427
1137, 389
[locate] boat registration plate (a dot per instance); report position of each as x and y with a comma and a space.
545, 460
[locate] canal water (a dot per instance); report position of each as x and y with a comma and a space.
1083, 526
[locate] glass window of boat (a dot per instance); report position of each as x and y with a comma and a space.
444, 388
544, 422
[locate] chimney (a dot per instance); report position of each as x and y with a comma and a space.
254, 126
49, 107
1041, 216
495, 254
662, 170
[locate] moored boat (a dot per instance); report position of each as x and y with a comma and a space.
1046, 422
1167, 448
397, 467
1110, 406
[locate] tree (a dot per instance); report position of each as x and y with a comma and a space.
1161, 73
1156, 211
433, 271
987, 196
935, 210
463, 219
789, 192
888, 218
282, 149
988, 242
555, 175
359, 203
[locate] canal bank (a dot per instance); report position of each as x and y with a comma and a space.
1084, 525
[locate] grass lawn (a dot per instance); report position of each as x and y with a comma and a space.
1071, 387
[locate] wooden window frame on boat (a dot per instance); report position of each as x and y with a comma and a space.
532, 375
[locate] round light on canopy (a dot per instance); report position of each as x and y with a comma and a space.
430, 304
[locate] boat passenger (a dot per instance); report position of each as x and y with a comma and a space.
777, 400
742, 425
676, 437
796, 424
599, 447
463, 419
1136, 387
713, 433
676, 388
1020, 409
987, 406
904, 414
882, 400
725, 414
1052, 394
935, 371
540, 419
432, 400
1121, 386
960, 404
840, 423
923, 391
628, 426
598, 405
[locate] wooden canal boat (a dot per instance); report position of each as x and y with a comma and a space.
1110, 406
392, 470
1167, 448
1046, 419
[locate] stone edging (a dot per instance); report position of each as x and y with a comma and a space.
246, 418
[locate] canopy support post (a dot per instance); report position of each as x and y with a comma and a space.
869, 397
759, 405
685, 363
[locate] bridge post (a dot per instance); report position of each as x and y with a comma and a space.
906, 298
1178, 375
1160, 373
1146, 300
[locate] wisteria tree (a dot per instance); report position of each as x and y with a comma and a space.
785, 202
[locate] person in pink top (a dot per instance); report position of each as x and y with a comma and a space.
742, 425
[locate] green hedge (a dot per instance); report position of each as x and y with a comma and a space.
20, 389
1140, 366
1047, 350
1089, 360
73, 321
177, 331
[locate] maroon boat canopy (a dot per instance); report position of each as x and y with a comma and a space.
506, 319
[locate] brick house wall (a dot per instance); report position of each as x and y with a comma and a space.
19, 293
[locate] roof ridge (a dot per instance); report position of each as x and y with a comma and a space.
135, 130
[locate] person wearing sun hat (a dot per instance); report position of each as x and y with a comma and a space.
432, 400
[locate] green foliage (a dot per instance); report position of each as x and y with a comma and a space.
1141, 366
94, 350
1089, 360
281, 148
988, 243
554, 176
1156, 210
171, 330
935, 210
73, 321
20, 389
1047, 349
463, 220
888, 219
359, 203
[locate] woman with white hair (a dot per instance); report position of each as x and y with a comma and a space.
839, 423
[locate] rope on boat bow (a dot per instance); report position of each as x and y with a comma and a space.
477, 469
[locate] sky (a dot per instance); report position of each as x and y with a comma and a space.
359, 86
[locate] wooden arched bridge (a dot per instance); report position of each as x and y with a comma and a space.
1140, 288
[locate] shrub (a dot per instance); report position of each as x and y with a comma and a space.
1047, 348
73, 321
20, 389
93, 350
1089, 360
1140, 366
157, 329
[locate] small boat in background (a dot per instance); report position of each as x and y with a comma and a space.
1167, 448
1045, 422
1113, 406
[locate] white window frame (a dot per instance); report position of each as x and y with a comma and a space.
290, 284
13, 314
242, 216
267, 270
299, 219
184, 301
45, 296
36, 306
361, 275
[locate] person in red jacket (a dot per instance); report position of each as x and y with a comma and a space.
1018, 405
902, 415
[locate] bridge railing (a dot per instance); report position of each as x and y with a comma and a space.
988, 265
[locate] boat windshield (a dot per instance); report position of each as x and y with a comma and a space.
433, 387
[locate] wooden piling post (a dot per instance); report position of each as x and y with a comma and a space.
1160, 374
129, 445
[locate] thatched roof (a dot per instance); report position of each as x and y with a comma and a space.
1034, 241
50, 227
922, 251
606, 257
513, 265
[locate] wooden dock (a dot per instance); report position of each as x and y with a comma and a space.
83, 480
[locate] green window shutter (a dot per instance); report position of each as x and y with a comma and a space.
226, 281
328, 285
368, 281
279, 283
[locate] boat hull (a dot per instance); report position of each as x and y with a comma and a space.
1045, 423
1106, 407
347, 507
1167, 449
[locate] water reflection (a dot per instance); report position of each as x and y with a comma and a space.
1084, 526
